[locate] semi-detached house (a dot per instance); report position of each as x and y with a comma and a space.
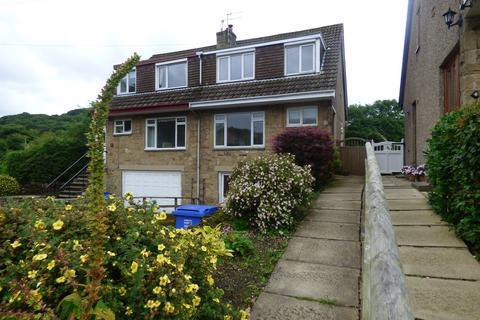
181, 120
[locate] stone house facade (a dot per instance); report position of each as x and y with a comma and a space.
182, 120
441, 67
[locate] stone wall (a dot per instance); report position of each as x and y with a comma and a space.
384, 294
127, 152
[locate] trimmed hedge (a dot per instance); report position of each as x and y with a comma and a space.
310, 146
453, 168
8, 186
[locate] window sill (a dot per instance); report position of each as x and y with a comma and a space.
123, 134
301, 125
300, 73
171, 88
237, 80
125, 93
165, 149
239, 148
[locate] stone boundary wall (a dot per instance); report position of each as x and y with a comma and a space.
384, 295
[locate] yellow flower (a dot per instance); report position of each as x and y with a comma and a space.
84, 258
180, 267
203, 248
187, 277
213, 260
157, 290
227, 317
76, 245
134, 267
216, 300
151, 304
141, 210
57, 225
128, 311
111, 254
128, 196
39, 257
160, 247
187, 306
15, 244
161, 259
70, 273
244, 315
68, 207
32, 274
36, 295
210, 280
196, 301
39, 224
145, 252
162, 232
50, 198
60, 279
122, 291
191, 288
51, 265
171, 235
169, 308
112, 207
111, 197
161, 216
130, 209
164, 280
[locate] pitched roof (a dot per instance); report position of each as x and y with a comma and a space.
326, 80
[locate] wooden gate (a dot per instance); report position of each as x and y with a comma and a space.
353, 155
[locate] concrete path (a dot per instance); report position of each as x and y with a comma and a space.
443, 279
318, 276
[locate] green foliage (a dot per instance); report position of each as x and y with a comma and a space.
380, 121
268, 190
239, 243
453, 168
8, 186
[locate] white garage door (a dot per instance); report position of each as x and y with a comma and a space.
154, 185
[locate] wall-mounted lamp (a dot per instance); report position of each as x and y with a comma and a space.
475, 95
465, 4
449, 16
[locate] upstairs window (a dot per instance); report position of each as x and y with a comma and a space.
166, 133
302, 117
299, 59
171, 75
236, 67
242, 129
128, 83
122, 127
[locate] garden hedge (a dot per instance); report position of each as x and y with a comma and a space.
310, 146
453, 168
8, 186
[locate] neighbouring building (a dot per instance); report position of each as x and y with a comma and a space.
441, 67
181, 120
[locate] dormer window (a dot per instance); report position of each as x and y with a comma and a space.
300, 58
235, 67
128, 84
171, 74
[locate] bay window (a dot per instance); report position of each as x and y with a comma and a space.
171, 75
165, 133
236, 130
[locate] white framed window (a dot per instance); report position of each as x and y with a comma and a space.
128, 84
300, 58
302, 117
122, 127
223, 185
165, 133
236, 67
171, 74
239, 130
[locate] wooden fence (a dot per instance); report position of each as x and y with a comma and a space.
353, 155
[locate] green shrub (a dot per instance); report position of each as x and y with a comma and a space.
453, 168
151, 270
239, 243
8, 186
267, 190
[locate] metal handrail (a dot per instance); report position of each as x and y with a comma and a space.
73, 177
65, 171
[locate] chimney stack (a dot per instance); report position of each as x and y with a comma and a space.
226, 38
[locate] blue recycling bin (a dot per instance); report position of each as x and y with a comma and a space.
190, 215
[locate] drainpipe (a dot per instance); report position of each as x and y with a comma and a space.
200, 55
198, 157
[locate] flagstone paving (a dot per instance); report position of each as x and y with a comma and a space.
318, 275
442, 277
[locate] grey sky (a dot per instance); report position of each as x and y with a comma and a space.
56, 54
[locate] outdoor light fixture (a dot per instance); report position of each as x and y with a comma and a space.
465, 4
475, 94
449, 16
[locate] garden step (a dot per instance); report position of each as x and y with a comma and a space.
408, 204
273, 306
345, 216
427, 236
328, 230
315, 281
324, 252
418, 218
337, 205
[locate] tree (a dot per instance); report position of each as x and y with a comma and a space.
380, 121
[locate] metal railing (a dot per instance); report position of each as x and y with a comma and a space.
52, 186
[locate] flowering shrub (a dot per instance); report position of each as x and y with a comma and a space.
151, 270
414, 170
8, 186
268, 190
310, 146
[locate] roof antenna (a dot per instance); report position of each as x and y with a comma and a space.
221, 27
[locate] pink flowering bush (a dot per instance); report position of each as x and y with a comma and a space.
151, 270
268, 190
